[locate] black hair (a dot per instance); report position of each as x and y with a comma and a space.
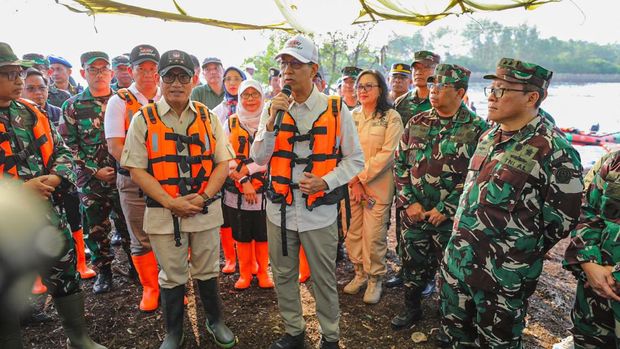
541, 94
35, 71
383, 102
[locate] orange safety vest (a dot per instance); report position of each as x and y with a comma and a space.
163, 146
43, 141
132, 106
241, 140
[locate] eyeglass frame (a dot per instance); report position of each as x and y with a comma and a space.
33, 89
253, 95
439, 85
294, 64
97, 71
13, 74
366, 87
175, 77
502, 89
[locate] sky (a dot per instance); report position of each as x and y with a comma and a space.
46, 27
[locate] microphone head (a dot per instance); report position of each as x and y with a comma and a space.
286, 89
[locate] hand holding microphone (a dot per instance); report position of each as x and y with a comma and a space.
279, 105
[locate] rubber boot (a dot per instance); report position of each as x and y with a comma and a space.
244, 252
228, 246
146, 266
255, 265
210, 296
172, 305
412, 311
71, 311
358, 282
262, 257
304, 268
38, 287
82, 268
103, 284
10, 331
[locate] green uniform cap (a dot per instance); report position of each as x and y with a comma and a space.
37, 59
350, 72
7, 57
426, 57
512, 70
451, 73
90, 57
120, 60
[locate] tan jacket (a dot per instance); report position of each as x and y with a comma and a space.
379, 137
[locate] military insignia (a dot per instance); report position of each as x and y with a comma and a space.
563, 175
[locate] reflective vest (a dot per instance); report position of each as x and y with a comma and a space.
241, 140
43, 141
324, 137
164, 145
132, 106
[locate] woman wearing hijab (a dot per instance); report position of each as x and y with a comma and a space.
233, 77
243, 194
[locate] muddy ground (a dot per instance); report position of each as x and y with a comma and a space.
115, 321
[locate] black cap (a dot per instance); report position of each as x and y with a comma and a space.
143, 53
176, 59
211, 60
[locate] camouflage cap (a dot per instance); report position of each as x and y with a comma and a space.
90, 57
176, 59
426, 57
37, 59
400, 68
7, 57
350, 72
512, 70
450, 74
120, 60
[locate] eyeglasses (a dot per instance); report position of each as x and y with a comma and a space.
250, 95
232, 79
13, 74
439, 86
498, 92
97, 71
183, 78
294, 64
366, 87
33, 89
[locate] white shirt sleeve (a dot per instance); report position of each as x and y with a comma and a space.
114, 119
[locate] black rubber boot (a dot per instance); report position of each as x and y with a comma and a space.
290, 342
71, 311
394, 281
10, 330
103, 283
210, 296
172, 306
328, 345
412, 312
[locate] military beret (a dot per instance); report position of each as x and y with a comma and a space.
59, 60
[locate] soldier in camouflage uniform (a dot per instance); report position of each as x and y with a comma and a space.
408, 105
46, 166
120, 66
594, 258
518, 201
431, 163
82, 125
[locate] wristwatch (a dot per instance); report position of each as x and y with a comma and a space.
244, 179
205, 197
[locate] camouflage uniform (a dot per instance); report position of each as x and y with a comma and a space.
596, 320
82, 127
56, 96
517, 203
62, 279
431, 162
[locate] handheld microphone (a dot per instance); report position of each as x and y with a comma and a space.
286, 89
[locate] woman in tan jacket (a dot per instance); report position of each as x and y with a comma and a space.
379, 127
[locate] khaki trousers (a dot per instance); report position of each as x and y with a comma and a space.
320, 246
366, 238
133, 205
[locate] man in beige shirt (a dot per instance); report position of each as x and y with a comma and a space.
182, 211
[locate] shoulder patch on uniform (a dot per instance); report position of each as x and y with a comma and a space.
563, 174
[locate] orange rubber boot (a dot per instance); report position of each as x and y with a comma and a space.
255, 265
262, 256
82, 268
38, 287
228, 245
304, 268
146, 265
244, 251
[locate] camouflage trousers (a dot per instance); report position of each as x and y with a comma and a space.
420, 250
596, 321
62, 279
99, 203
474, 318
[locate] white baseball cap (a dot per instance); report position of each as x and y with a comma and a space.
302, 48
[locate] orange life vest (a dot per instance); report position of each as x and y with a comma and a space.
163, 146
132, 106
43, 141
241, 140
324, 140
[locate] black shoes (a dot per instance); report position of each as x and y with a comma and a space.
103, 283
412, 312
394, 281
291, 342
328, 345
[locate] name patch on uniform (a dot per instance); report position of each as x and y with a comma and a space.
521, 157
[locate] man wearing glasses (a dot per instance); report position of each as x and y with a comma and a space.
82, 126
399, 80
521, 196
177, 151
32, 151
431, 161
305, 184
210, 94
408, 105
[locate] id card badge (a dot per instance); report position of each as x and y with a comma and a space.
370, 203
